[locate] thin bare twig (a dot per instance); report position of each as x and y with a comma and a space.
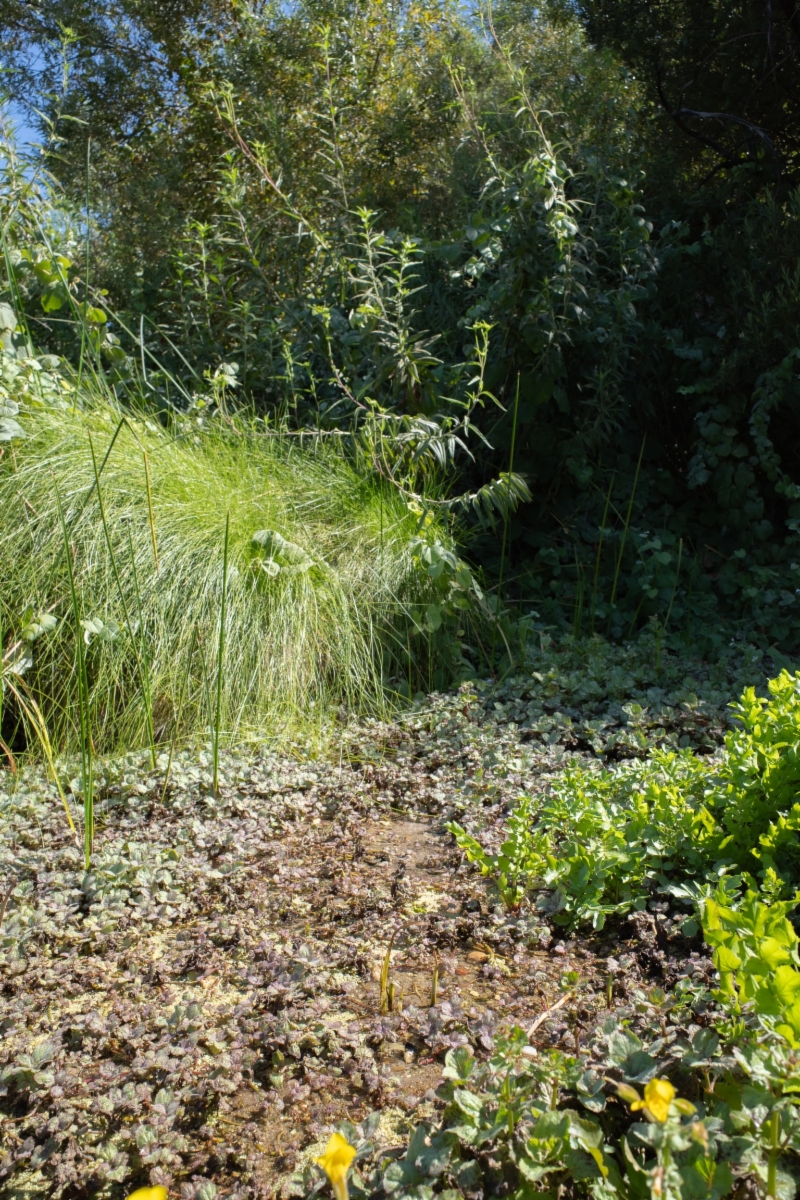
548, 1012
9, 890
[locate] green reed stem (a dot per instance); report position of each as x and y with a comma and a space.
179, 713
675, 584
627, 525
35, 718
220, 655
505, 529
150, 510
86, 279
142, 666
577, 619
144, 658
599, 552
84, 712
87, 497
774, 1152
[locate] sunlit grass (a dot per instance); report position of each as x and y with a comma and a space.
299, 639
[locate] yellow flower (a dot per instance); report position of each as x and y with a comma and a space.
335, 1162
658, 1095
153, 1193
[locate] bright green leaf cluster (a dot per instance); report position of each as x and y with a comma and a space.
602, 842
755, 952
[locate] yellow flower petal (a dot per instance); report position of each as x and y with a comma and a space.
658, 1096
335, 1162
153, 1193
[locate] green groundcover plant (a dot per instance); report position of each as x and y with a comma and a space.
601, 842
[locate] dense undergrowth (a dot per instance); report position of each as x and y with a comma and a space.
228, 572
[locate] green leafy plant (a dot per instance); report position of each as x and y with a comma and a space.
755, 952
517, 860
602, 842
527, 1123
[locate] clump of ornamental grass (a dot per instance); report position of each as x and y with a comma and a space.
319, 582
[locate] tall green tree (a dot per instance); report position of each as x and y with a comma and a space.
351, 102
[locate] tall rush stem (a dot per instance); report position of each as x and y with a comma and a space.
220, 655
84, 714
505, 530
142, 666
774, 1151
625, 529
599, 553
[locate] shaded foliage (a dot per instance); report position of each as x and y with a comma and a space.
386, 216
